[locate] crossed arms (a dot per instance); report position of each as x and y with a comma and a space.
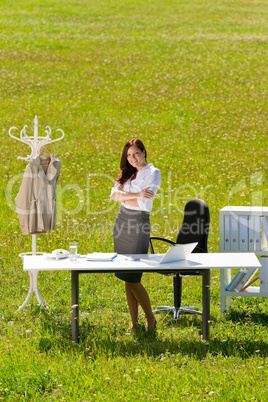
131, 198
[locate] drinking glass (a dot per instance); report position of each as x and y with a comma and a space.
73, 251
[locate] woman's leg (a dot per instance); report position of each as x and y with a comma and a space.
137, 294
132, 306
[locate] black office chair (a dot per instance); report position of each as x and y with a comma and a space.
194, 228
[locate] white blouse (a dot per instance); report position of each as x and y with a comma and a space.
150, 177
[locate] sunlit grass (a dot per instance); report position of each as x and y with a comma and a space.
190, 80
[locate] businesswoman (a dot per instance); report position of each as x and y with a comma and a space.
135, 188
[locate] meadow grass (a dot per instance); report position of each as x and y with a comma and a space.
190, 80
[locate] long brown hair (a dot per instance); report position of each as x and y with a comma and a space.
127, 170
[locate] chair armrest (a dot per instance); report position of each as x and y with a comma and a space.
161, 239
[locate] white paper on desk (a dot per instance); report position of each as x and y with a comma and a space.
101, 256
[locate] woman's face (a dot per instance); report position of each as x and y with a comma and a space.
136, 157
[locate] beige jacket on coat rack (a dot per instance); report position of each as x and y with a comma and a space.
36, 200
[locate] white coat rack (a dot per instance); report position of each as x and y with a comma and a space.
36, 143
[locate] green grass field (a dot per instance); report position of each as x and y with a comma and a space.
189, 78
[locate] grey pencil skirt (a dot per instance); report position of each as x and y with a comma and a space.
131, 233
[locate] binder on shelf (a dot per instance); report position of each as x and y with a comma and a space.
243, 233
246, 278
264, 274
236, 280
227, 239
249, 283
251, 233
257, 226
264, 222
234, 233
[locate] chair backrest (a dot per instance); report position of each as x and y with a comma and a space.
195, 225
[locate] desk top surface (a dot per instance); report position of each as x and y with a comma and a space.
122, 263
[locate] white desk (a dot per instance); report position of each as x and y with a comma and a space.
197, 262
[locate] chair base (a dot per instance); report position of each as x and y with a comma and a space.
178, 310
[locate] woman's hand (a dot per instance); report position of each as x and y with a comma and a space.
146, 194
119, 186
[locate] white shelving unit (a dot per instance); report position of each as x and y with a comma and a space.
244, 229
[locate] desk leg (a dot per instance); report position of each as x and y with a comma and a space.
75, 306
206, 302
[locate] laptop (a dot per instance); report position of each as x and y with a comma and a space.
175, 253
